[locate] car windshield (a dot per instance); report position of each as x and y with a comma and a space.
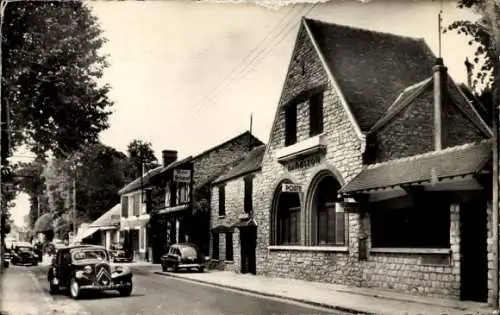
188, 251
24, 249
98, 254
117, 246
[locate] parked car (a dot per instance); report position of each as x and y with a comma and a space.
23, 254
119, 254
183, 256
82, 268
6, 258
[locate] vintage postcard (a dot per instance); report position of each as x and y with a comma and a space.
249, 157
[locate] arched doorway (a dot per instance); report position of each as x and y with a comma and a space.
327, 219
286, 216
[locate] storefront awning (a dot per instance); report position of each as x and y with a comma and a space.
428, 168
84, 234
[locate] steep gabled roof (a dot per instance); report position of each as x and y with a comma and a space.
371, 68
251, 163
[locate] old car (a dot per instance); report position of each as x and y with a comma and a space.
183, 256
6, 257
118, 253
23, 253
81, 268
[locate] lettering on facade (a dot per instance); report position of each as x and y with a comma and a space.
307, 162
291, 188
182, 176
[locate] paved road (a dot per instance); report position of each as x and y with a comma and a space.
155, 294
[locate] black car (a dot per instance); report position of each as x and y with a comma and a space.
183, 256
23, 254
6, 258
87, 268
118, 253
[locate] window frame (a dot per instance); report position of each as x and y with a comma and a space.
215, 249
248, 194
125, 206
331, 210
229, 245
285, 234
290, 113
222, 200
316, 115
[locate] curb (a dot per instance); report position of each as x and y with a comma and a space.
318, 304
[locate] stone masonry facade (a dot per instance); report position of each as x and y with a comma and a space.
234, 204
411, 271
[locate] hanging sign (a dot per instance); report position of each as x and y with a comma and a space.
182, 176
291, 188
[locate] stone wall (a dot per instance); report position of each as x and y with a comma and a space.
234, 193
342, 159
419, 273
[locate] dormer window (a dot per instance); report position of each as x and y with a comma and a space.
316, 114
291, 125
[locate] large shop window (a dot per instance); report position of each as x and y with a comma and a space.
316, 114
288, 219
422, 226
215, 246
222, 200
124, 206
229, 247
248, 204
329, 219
291, 125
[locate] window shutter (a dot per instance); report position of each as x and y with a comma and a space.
125, 206
339, 225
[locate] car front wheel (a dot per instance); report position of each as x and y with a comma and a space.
126, 291
74, 289
164, 267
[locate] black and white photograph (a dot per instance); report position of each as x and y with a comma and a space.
271, 157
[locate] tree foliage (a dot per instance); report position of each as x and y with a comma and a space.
484, 33
139, 152
51, 68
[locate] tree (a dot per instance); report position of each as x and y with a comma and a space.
51, 68
99, 175
140, 152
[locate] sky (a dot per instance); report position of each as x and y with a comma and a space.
187, 75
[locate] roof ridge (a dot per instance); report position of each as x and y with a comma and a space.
357, 28
391, 112
431, 153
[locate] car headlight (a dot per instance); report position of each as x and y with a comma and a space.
87, 270
118, 269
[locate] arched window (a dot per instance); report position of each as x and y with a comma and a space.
328, 224
286, 217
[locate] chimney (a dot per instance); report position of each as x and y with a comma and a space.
440, 82
169, 156
469, 66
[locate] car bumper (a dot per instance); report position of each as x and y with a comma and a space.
116, 286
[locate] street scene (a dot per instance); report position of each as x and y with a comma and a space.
174, 157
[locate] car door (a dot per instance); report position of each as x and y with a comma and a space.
65, 267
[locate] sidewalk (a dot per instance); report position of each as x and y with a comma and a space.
342, 298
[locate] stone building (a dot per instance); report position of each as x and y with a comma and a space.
376, 172
232, 227
181, 209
